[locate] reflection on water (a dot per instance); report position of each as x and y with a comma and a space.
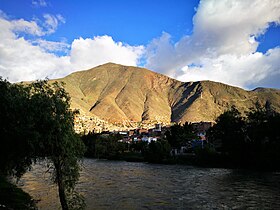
124, 185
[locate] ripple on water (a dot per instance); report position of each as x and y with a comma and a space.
123, 185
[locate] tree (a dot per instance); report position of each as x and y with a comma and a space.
109, 147
16, 129
228, 132
262, 130
58, 141
157, 151
250, 141
36, 123
179, 134
90, 140
139, 146
258, 124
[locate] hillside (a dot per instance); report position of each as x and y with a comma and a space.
118, 94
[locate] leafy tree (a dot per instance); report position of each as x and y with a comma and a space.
262, 130
157, 151
100, 146
179, 134
109, 147
139, 146
36, 123
228, 132
90, 140
58, 141
258, 125
16, 129
253, 141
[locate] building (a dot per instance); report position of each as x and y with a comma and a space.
201, 128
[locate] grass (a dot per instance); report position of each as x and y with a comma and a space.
12, 197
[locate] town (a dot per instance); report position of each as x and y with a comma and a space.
136, 132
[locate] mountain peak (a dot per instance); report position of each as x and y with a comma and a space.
111, 64
118, 94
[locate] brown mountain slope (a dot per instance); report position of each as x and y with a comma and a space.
119, 93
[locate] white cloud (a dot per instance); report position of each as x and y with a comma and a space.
3, 15
39, 3
223, 30
51, 46
34, 27
22, 60
52, 21
28, 27
244, 71
222, 47
226, 26
86, 53
161, 55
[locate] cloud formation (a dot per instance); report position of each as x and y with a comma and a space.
20, 60
255, 69
86, 53
221, 48
51, 22
223, 45
28, 27
24, 59
51, 46
39, 3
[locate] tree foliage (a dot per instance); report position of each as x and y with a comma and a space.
58, 142
250, 141
179, 134
37, 123
157, 151
262, 129
16, 129
228, 131
107, 146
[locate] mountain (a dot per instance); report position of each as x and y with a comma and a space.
117, 93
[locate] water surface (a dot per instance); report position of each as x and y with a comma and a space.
124, 185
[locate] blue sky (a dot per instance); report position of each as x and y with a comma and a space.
270, 39
133, 22
234, 42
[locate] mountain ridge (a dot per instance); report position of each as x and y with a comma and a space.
117, 93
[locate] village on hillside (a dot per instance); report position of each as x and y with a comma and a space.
133, 132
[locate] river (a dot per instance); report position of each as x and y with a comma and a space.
125, 185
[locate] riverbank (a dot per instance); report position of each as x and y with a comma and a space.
12, 197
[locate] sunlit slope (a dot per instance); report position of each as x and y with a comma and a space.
118, 93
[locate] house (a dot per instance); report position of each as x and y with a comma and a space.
131, 132
148, 139
157, 127
201, 128
123, 133
188, 147
142, 131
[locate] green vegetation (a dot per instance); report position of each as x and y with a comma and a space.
228, 132
252, 141
36, 123
104, 146
179, 134
157, 152
108, 146
13, 197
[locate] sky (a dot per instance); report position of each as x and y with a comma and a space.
236, 42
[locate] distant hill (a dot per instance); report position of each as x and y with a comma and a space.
118, 93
